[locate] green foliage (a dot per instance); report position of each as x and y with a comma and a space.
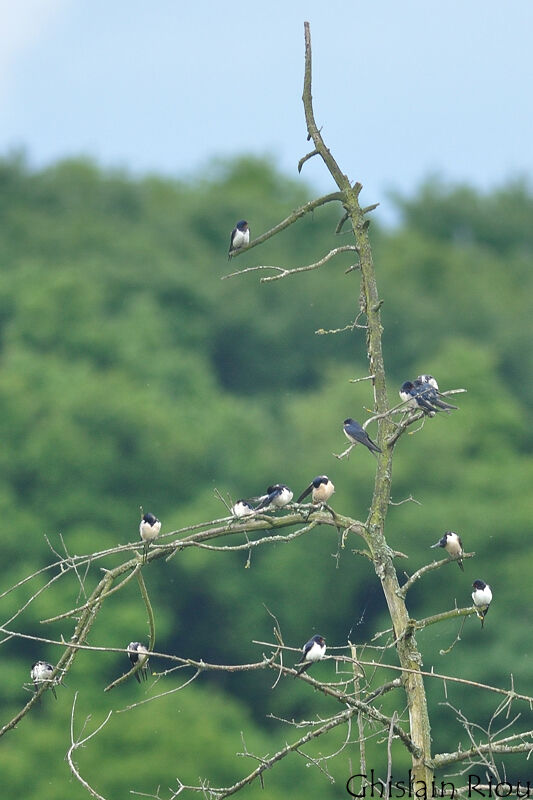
460, 265
133, 376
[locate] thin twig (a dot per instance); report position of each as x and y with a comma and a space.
409, 499
447, 650
389, 756
74, 744
283, 272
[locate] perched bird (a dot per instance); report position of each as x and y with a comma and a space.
41, 672
278, 495
240, 237
149, 530
415, 400
430, 393
428, 379
137, 652
313, 650
453, 545
357, 435
482, 597
320, 489
242, 508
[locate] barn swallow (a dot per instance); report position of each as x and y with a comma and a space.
431, 394
137, 652
41, 672
242, 508
313, 650
149, 528
428, 379
320, 488
482, 597
453, 545
411, 395
278, 495
240, 237
357, 435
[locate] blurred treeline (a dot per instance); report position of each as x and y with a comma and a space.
132, 375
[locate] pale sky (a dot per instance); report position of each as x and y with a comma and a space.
402, 89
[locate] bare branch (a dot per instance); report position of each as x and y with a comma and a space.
157, 696
428, 567
267, 763
453, 679
445, 651
505, 745
340, 179
345, 453
350, 327
252, 543
302, 161
290, 220
389, 757
508, 693
409, 499
420, 624
345, 217
74, 744
284, 273
151, 621
347, 699
75, 611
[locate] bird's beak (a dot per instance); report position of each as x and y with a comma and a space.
437, 544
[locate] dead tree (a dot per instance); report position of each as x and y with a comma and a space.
357, 696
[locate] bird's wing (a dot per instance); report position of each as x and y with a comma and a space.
305, 649
353, 433
372, 446
267, 499
440, 404
234, 231
305, 493
423, 403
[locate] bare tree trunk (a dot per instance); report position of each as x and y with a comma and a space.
370, 303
